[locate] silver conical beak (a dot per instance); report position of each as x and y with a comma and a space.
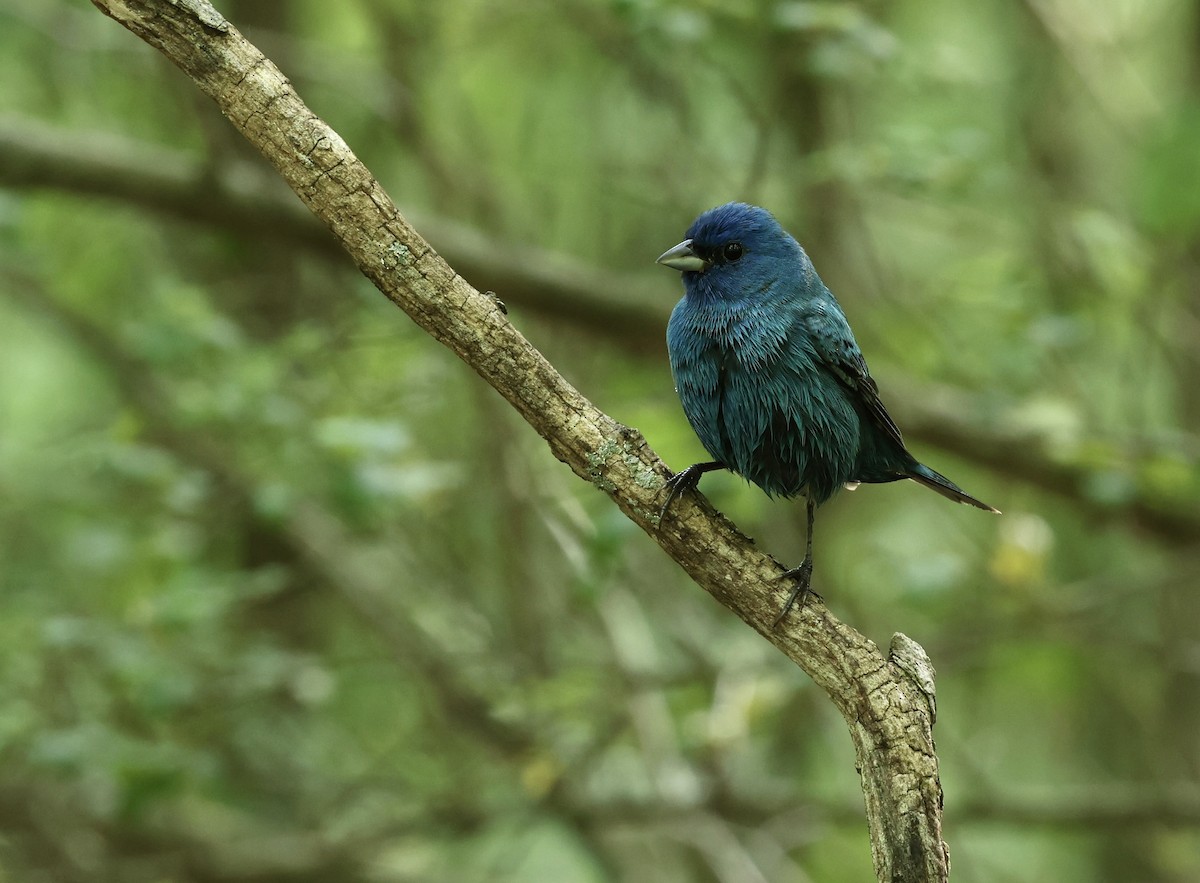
682, 258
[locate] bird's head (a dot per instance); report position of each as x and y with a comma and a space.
735, 251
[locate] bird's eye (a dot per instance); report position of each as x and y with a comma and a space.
733, 252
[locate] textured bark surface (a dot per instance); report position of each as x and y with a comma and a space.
886, 701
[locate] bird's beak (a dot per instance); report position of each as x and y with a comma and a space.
682, 258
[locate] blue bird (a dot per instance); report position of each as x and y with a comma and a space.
770, 376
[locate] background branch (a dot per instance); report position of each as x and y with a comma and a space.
244, 199
625, 308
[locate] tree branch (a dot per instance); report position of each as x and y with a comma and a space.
252, 202
887, 713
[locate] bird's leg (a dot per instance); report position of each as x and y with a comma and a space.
802, 574
686, 481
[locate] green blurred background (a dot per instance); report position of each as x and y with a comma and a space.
288, 594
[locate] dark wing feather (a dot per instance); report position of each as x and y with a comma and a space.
837, 349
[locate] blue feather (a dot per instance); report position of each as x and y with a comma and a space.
768, 371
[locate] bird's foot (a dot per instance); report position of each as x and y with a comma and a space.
803, 588
680, 482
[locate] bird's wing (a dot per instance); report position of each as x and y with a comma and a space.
836, 348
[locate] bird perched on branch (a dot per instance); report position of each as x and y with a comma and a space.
770, 375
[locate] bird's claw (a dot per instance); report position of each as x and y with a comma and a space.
803, 588
680, 482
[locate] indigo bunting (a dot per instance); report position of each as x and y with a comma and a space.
770, 375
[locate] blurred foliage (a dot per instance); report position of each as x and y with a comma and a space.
287, 594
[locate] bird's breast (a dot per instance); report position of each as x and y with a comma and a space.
754, 391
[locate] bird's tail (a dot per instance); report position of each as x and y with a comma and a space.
935, 481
